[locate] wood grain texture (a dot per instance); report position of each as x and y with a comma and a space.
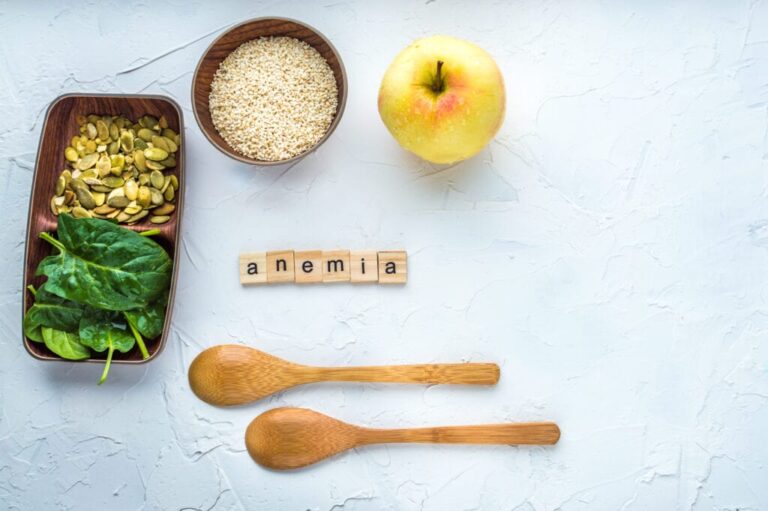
364, 266
280, 266
308, 266
289, 438
393, 267
253, 268
231, 40
58, 129
233, 374
335, 266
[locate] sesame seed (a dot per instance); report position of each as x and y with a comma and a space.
273, 98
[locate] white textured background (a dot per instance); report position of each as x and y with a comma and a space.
609, 249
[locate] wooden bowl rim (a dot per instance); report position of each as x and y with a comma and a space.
321, 141
180, 202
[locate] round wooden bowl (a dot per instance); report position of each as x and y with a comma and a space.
227, 42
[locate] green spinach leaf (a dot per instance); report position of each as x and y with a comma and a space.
51, 311
64, 344
104, 265
104, 330
150, 320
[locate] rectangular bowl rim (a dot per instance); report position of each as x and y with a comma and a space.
172, 293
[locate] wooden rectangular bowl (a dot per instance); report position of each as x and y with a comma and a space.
59, 128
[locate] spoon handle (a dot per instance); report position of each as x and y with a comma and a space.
530, 433
468, 373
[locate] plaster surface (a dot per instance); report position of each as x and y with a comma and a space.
609, 249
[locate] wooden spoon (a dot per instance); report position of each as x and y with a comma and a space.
285, 438
233, 374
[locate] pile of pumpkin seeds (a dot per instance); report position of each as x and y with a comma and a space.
117, 170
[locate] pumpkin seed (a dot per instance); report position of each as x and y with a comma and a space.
118, 202
172, 145
165, 209
131, 189
154, 165
54, 208
85, 197
156, 196
157, 179
70, 153
126, 141
91, 130
169, 162
99, 198
102, 130
169, 193
149, 121
61, 184
123, 216
77, 183
138, 216
174, 182
58, 201
144, 178
118, 160
160, 219
92, 181
139, 160
114, 131
87, 161
81, 120
113, 181
113, 214
144, 197
113, 147
158, 141
104, 165
69, 196
132, 210
169, 133
163, 122
146, 134
104, 209
80, 212
155, 154
101, 188
139, 143
90, 146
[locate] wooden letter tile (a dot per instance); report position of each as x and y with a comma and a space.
309, 266
393, 267
336, 266
280, 266
253, 268
364, 266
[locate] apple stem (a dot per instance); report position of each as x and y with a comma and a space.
438, 85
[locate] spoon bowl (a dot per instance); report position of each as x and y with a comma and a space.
286, 438
232, 374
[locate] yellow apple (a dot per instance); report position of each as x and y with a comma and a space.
442, 98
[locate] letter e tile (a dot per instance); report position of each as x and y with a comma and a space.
309, 266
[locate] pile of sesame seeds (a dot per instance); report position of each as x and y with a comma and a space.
273, 98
